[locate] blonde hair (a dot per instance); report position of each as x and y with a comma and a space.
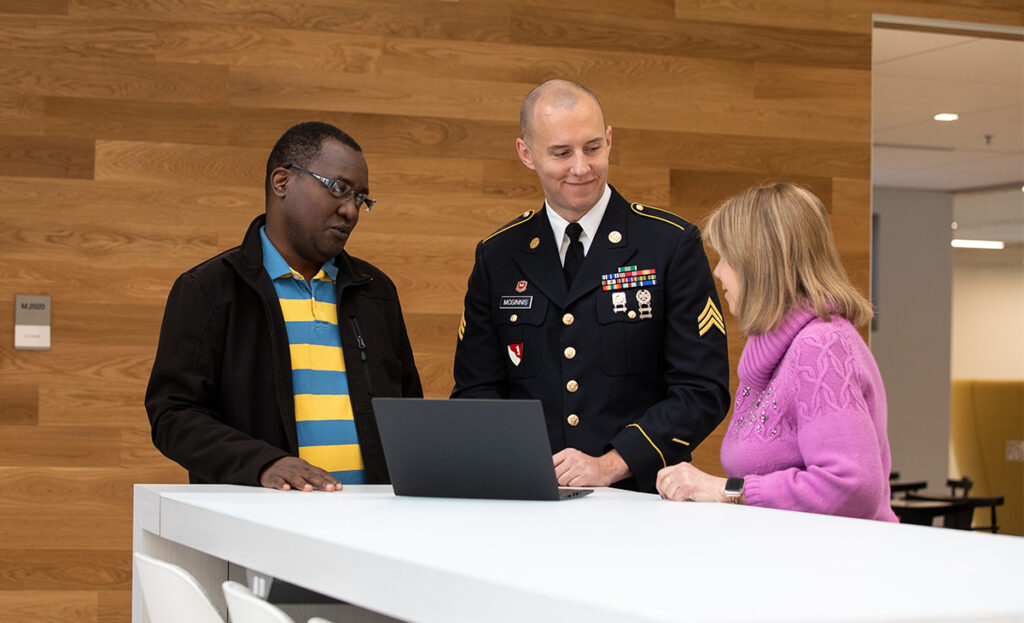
778, 240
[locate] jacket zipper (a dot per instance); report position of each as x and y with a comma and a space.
362, 353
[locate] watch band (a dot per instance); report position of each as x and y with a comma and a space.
734, 489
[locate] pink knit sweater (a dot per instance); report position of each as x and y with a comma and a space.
808, 430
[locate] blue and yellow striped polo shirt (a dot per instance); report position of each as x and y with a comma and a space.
323, 411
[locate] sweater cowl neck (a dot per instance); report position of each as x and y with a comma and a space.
763, 352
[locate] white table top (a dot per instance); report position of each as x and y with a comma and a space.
611, 556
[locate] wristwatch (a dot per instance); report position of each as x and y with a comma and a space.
733, 490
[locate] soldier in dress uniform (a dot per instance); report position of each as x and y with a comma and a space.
604, 310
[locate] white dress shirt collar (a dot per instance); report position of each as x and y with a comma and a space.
589, 222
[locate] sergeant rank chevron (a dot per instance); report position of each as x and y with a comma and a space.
709, 318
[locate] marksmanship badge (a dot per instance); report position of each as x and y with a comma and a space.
643, 300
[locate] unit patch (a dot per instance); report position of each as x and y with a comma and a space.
515, 353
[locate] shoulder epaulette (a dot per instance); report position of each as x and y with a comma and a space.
525, 216
659, 215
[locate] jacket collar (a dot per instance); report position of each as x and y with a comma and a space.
249, 262
606, 251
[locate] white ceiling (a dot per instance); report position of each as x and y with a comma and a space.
918, 74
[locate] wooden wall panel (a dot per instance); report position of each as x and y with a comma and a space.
844, 15
49, 606
273, 48
811, 85
94, 402
133, 140
20, 405
72, 38
40, 156
132, 80
605, 70
64, 570
634, 8
698, 39
425, 19
42, 7
73, 446
425, 96
717, 152
20, 113
45, 527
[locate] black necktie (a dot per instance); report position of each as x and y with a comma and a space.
574, 255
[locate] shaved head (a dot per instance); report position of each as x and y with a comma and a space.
563, 94
566, 142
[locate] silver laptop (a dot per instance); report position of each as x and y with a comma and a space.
495, 449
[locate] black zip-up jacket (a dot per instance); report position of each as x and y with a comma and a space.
220, 398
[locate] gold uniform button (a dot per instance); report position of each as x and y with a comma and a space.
535, 243
640, 208
569, 352
631, 314
573, 419
572, 386
513, 317
568, 319
527, 213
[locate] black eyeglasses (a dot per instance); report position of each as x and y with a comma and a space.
339, 188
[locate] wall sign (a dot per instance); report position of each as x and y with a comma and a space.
31, 322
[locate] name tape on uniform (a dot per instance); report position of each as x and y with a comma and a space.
516, 302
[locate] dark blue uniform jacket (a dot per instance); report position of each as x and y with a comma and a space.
632, 357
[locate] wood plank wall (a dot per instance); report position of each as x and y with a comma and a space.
132, 140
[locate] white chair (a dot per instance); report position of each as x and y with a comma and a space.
244, 607
171, 594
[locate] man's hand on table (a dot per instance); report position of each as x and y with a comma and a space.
576, 469
293, 473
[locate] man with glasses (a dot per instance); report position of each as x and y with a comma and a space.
270, 352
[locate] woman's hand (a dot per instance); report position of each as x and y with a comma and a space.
683, 481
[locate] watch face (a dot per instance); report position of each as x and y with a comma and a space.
734, 486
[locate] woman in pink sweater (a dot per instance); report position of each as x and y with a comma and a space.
809, 425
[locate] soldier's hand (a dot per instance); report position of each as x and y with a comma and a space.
577, 469
294, 473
